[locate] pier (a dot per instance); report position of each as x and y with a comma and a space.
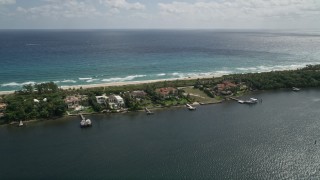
235, 99
148, 111
190, 107
82, 117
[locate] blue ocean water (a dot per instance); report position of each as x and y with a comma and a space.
80, 57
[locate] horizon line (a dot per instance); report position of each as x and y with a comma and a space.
213, 29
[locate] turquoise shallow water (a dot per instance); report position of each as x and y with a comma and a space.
79, 57
272, 140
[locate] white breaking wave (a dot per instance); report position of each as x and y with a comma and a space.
68, 81
221, 73
247, 69
161, 74
92, 80
273, 68
118, 79
180, 75
200, 74
17, 84
84, 79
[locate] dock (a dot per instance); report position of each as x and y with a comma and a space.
190, 107
82, 117
148, 111
235, 99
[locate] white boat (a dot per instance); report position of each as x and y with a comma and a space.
20, 124
249, 101
85, 123
253, 100
88, 122
295, 89
82, 123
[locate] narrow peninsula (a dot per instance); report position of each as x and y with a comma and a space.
47, 101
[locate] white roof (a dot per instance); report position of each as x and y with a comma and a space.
119, 98
105, 97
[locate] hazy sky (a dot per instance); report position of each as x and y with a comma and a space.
92, 14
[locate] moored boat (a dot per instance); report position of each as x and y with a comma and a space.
20, 124
249, 101
295, 89
85, 123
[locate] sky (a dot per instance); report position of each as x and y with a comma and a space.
159, 14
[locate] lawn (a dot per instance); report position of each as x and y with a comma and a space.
199, 96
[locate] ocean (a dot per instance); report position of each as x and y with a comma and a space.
274, 139
83, 57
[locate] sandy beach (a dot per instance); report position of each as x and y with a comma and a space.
87, 86
6, 92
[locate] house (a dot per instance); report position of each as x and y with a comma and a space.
115, 102
2, 109
74, 101
102, 99
229, 84
138, 94
167, 92
225, 85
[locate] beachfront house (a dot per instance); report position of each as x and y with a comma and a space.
115, 102
138, 94
3, 107
102, 99
224, 88
74, 101
167, 92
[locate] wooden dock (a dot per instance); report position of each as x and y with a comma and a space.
235, 99
148, 111
82, 117
190, 107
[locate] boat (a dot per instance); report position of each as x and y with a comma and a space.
20, 124
253, 100
190, 107
295, 89
85, 123
249, 101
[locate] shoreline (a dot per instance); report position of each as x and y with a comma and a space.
125, 83
250, 83
15, 123
88, 86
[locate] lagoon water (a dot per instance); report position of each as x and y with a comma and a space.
82, 57
271, 140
